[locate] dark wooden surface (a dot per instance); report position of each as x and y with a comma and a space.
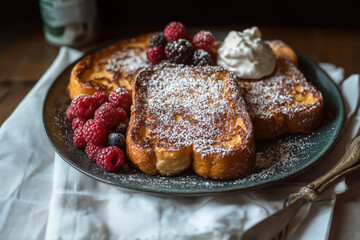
25, 56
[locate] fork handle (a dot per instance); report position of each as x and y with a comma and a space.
347, 164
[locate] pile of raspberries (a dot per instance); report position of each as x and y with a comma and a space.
175, 45
100, 123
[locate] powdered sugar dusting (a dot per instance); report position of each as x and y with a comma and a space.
264, 97
275, 96
189, 107
128, 60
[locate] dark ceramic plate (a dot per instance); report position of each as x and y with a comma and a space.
277, 159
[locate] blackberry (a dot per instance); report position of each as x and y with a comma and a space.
201, 58
179, 51
121, 127
158, 40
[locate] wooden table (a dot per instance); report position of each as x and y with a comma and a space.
25, 56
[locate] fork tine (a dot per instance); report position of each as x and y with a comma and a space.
283, 234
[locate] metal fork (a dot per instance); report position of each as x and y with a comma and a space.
284, 234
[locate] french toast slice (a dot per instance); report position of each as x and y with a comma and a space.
285, 101
185, 116
110, 68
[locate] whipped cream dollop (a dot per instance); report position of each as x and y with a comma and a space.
246, 54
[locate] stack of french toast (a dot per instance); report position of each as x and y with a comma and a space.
201, 117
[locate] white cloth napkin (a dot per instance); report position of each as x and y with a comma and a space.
42, 197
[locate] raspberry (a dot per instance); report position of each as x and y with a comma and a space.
158, 40
110, 158
179, 51
84, 106
155, 55
70, 113
123, 115
121, 97
107, 114
94, 132
92, 150
203, 40
117, 140
174, 31
77, 122
100, 98
201, 58
78, 138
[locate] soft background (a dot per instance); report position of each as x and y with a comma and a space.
279, 12
326, 31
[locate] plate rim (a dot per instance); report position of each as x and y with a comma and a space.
202, 192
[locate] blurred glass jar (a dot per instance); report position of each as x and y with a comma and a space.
69, 22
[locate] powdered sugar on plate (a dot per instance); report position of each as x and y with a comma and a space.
275, 158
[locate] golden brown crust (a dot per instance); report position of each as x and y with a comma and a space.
284, 101
184, 116
110, 68
228, 166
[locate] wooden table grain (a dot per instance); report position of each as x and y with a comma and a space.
25, 56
